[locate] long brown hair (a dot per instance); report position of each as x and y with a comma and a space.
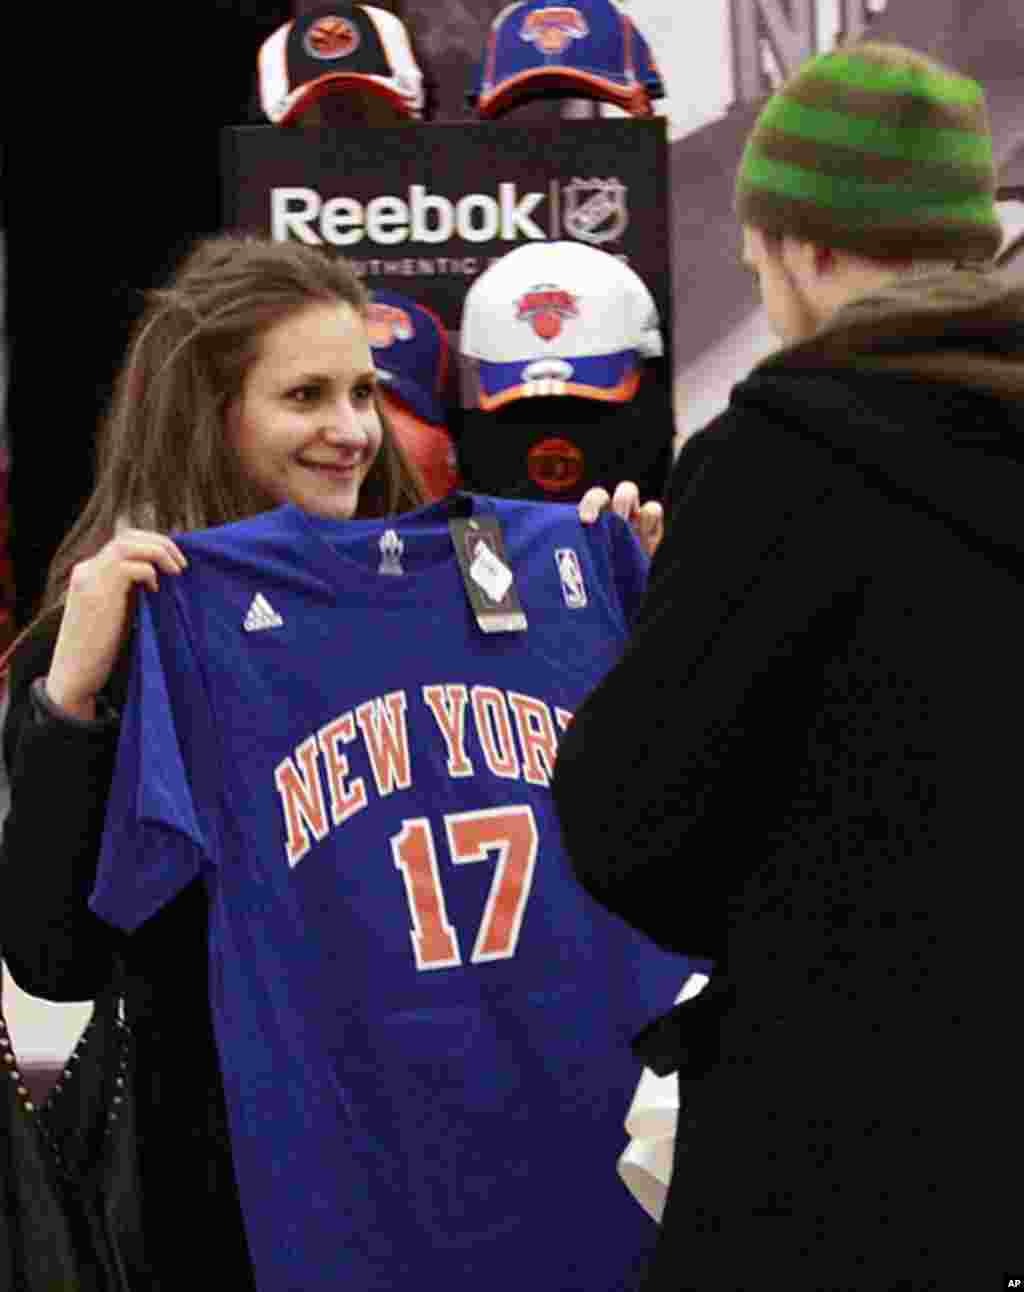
163, 460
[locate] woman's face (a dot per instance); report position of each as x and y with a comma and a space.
305, 425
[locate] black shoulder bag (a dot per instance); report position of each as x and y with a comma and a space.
71, 1215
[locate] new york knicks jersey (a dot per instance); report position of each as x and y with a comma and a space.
423, 1021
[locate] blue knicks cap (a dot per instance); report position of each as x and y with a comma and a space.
588, 49
410, 352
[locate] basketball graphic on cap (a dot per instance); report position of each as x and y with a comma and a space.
547, 325
331, 37
551, 30
387, 324
555, 465
545, 308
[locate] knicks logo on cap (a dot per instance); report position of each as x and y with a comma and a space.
551, 30
387, 324
331, 37
545, 308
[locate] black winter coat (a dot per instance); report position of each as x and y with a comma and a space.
55, 948
806, 766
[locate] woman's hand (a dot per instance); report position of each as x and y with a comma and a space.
97, 614
647, 520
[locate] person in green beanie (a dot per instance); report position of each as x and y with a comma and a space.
805, 767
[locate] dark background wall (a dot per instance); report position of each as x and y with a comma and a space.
111, 169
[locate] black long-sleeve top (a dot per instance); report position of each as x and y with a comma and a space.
60, 774
806, 767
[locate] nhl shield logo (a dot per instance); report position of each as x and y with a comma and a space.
387, 324
552, 30
546, 307
331, 37
595, 210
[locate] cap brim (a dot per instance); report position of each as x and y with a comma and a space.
611, 378
566, 80
352, 84
419, 401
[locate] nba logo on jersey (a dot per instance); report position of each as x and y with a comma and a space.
569, 572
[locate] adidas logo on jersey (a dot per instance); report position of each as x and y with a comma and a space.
261, 614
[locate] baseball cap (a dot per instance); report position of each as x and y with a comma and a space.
559, 318
556, 449
410, 353
430, 449
339, 48
588, 49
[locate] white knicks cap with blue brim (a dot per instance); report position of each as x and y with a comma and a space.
559, 318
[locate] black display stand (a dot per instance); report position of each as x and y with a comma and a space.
425, 209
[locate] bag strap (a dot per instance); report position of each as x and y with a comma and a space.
9, 1066
69, 1141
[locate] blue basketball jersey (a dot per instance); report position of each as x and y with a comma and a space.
423, 1021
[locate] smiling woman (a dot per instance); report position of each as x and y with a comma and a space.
248, 383
305, 425
257, 354
248, 399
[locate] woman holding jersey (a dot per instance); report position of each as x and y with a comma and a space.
249, 384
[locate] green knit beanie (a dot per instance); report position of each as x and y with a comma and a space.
884, 161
